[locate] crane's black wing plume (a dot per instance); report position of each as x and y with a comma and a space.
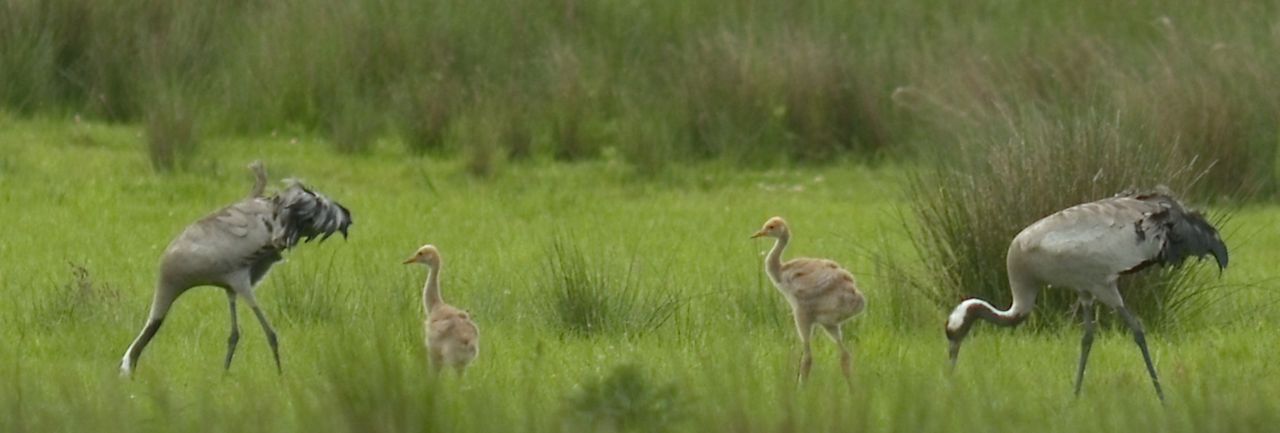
303, 214
1187, 232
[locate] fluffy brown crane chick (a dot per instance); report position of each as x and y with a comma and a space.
452, 339
820, 293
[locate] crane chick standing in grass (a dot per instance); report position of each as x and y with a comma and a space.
452, 338
1086, 248
234, 248
820, 293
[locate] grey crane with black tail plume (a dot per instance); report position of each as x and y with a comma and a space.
1086, 248
234, 248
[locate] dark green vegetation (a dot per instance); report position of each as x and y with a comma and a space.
584, 298
756, 82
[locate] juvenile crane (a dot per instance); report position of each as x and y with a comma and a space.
452, 339
1086, 248
820, 293
233, 249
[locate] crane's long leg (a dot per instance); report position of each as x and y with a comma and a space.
244, 287
1086, 343
804, 326
846, 358
271, 333
235, 330
160, 303
1140, 338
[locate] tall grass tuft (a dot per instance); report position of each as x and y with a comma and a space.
353, 128
761, 304
172, 140
426, 108
627, 400
308, 297
490, 133
80, 301
801, 92
968, 208
570, 102
1211, 99
482, 153
648, 139
372, 385
589, 298
829, 105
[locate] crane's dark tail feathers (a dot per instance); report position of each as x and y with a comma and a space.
1189, 233
303, 214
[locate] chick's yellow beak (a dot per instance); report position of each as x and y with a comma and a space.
758, 234
410, 260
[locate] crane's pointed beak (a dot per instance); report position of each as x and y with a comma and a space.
410, 260
953, 353
758, 234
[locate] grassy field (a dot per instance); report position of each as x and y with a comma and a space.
86, 222
756, 82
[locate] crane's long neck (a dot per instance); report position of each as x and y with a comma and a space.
773, 262
962, 318
975, 308
431, 291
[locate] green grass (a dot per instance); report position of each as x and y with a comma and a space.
590, 297
348, 313
755, 82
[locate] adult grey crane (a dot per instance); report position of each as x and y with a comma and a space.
234, 248
1086, 248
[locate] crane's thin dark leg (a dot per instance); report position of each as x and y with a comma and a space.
271, 336
235, 330
1087, 342
245, 290
1140, 338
